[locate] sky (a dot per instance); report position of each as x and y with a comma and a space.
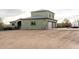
8, 15
13, 9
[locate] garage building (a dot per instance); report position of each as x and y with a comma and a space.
41, 19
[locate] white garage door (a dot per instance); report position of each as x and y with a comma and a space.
54, 25
49, 25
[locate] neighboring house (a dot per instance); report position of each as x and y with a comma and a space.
75, 24
41, 19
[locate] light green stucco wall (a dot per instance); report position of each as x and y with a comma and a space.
40, 24
42, 14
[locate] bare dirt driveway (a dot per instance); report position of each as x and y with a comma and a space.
55, 38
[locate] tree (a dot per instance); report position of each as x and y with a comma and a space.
66, 23
1, 24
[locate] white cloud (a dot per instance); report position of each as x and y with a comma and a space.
10, 12
62, 8
60, 14
71, 14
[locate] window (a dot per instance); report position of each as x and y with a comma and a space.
49, 15
33, 23
13, 24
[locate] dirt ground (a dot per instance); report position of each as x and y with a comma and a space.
36, 39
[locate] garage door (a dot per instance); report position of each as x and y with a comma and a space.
54, 25
49, 25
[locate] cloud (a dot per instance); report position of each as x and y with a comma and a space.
67, 13
10, 12
60, 14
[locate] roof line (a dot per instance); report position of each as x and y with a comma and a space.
42, 11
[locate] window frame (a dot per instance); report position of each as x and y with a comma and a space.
33, 23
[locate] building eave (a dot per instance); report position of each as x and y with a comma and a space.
35, 18
42, 11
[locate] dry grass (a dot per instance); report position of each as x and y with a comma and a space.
39, 39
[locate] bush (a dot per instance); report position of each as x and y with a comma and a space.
65, 24
59, 25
